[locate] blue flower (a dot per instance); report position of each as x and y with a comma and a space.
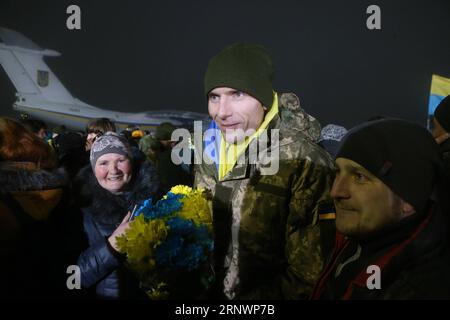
162, 208
185, 246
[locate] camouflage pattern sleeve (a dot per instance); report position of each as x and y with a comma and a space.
204, 177
303, 239
310, 195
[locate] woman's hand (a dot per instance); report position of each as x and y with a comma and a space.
442, 138
124, 225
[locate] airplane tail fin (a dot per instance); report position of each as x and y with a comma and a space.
24, 64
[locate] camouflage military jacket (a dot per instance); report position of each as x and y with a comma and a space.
268, 227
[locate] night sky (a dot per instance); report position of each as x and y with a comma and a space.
151, 55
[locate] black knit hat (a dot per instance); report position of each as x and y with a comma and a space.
242, 66
442, 113
402, 154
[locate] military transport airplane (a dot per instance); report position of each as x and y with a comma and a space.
41, 95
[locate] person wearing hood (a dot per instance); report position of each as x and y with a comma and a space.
270, 181
330, 136
33, 199
110, 187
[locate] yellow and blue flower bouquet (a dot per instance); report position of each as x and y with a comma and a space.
169, 244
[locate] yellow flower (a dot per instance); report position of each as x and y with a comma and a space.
142, 238
195, 206
158, 293
140, 241
181, 189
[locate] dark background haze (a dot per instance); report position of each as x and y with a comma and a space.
151, 55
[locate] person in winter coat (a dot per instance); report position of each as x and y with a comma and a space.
391, 239
272, 214
171, 174
32, 203
110, 188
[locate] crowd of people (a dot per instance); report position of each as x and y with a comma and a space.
347, 214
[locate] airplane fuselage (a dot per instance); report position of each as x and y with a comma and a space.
40, 94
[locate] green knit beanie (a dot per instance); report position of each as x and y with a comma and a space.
242, 66
164, 131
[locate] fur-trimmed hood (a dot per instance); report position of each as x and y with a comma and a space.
37, 191
14, 178
108, 207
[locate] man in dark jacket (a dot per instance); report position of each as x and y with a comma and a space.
391, 236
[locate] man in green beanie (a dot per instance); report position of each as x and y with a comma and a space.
272, 228
171, 174
164, 131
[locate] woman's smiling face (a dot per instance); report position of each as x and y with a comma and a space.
113, 172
